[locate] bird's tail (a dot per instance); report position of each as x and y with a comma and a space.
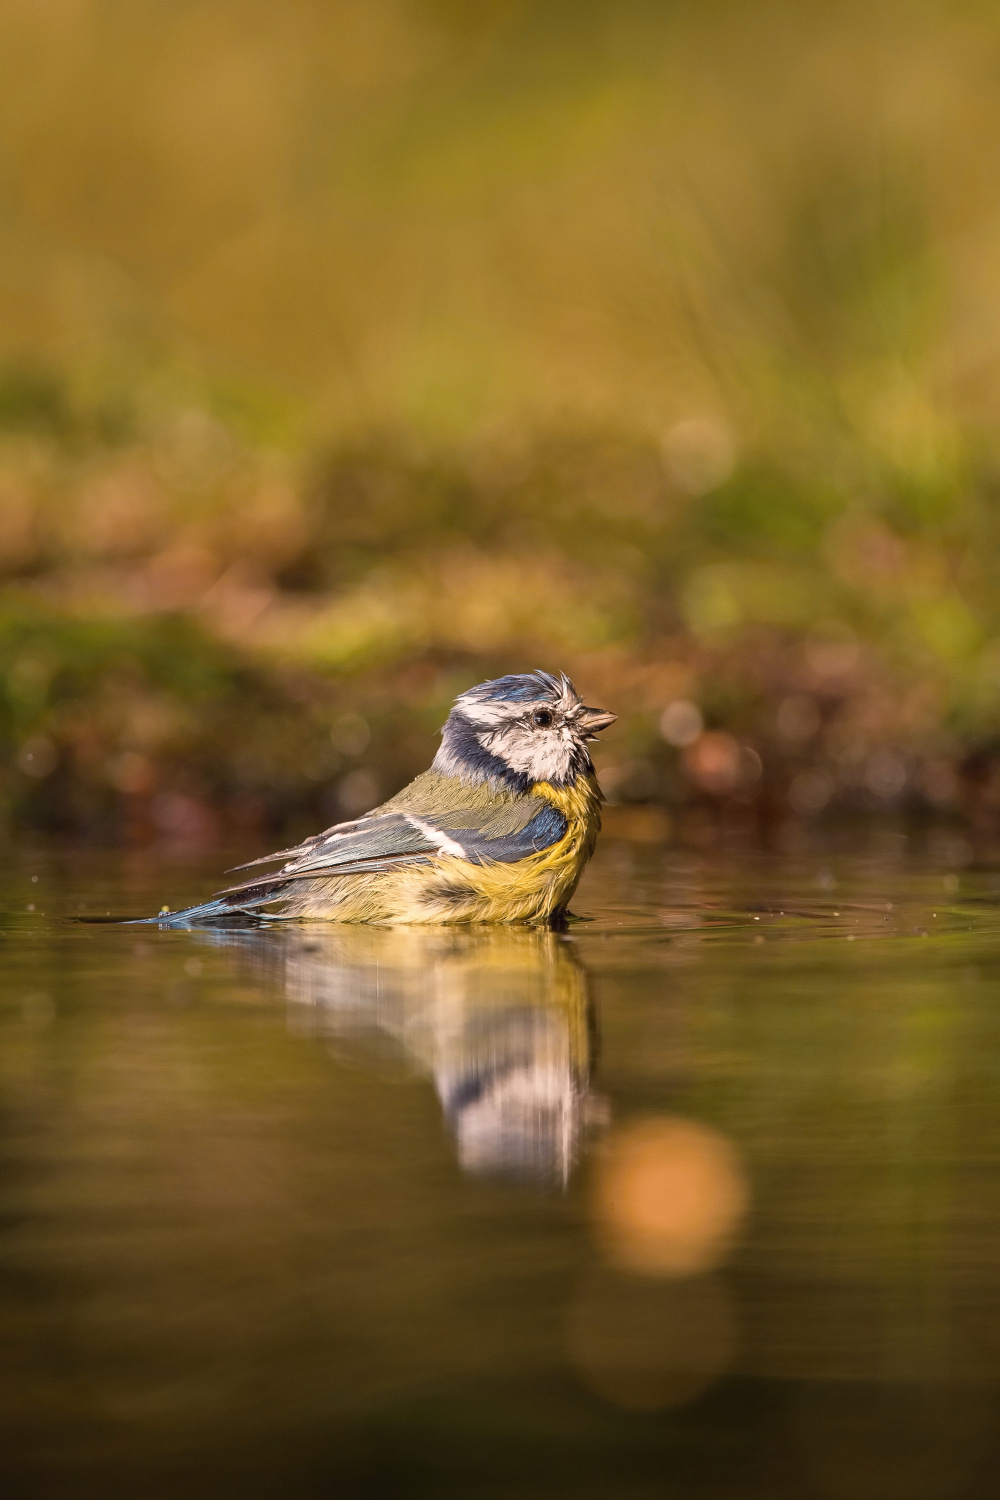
239, 907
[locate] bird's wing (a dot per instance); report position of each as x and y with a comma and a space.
434, 815
385, 836
497, 840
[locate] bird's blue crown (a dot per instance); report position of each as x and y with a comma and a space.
523, 687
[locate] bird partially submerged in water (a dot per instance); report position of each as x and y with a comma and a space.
498, 830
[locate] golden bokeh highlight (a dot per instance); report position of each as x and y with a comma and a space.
669, 1197
645, 1344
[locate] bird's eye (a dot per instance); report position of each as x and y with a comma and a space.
542, 718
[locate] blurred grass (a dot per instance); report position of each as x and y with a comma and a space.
350, 354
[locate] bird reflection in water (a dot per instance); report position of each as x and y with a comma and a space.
499, 1017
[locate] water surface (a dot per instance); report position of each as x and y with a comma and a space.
698, 1198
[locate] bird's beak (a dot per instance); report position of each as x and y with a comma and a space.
593, 720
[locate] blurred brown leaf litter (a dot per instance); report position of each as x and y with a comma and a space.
350, 354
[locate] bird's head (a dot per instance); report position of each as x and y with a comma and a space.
519, 730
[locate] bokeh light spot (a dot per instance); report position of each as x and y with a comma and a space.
669, 1197
681, 723
645, 1345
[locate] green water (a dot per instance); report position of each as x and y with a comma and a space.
311, 1212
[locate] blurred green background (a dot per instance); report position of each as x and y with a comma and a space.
350, 353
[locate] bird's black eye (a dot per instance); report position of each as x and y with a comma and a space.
542, 718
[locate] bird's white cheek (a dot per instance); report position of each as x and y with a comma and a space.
542, 757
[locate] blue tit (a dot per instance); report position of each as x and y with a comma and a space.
498, 830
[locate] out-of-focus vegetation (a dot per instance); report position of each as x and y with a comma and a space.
353, 353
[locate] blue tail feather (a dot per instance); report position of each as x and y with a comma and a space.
205, 912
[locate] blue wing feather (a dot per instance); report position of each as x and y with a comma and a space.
375, 838
544, 830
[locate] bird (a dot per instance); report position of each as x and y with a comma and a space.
498, 830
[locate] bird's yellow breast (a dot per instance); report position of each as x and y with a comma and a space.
580, 805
